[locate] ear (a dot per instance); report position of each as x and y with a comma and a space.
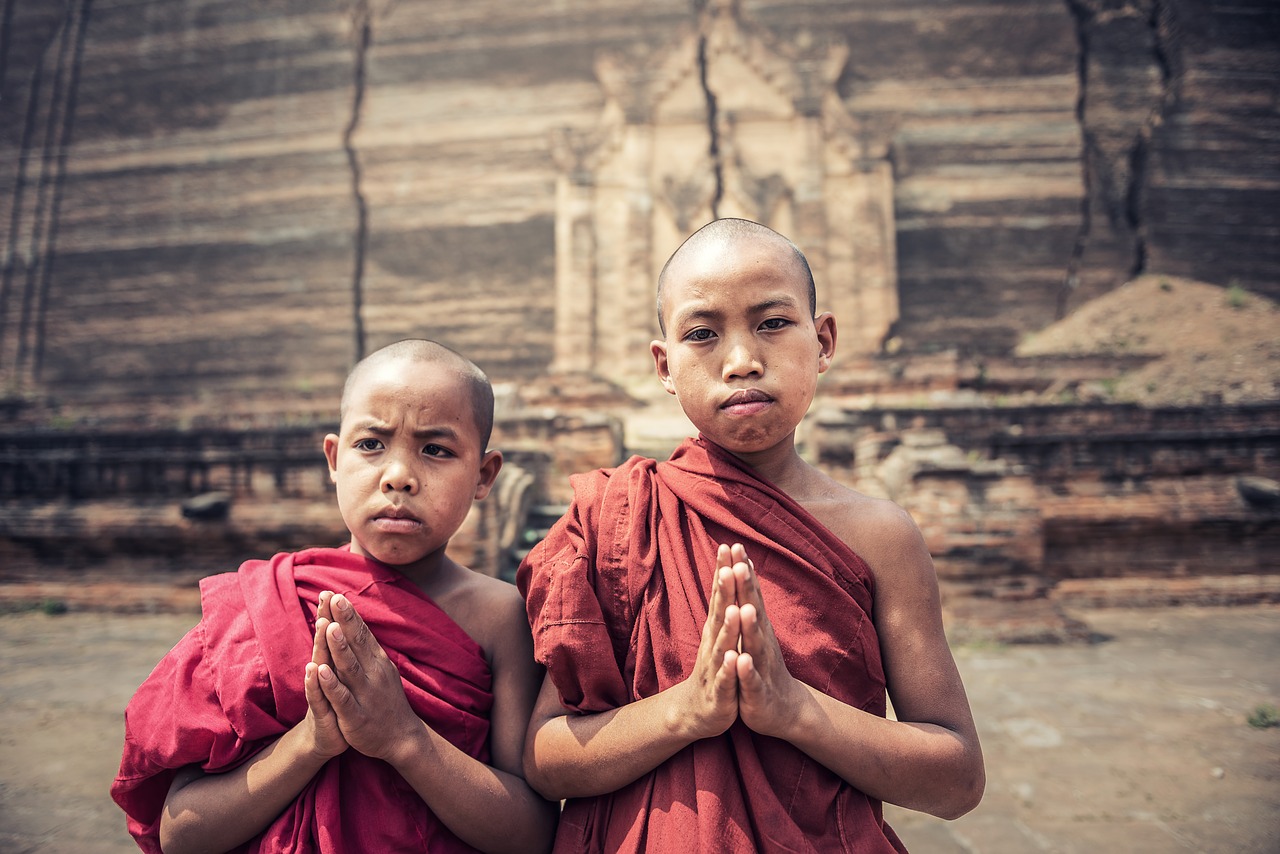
490, 465
659, 350
331, 454
825, 324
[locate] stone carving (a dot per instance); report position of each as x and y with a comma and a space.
727, 120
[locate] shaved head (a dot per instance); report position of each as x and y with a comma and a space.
420, 350
728, 231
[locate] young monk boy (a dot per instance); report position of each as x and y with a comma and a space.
369, 698
719, 630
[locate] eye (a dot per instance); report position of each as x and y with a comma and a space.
368, 445
700, 334
775, 323
437, 451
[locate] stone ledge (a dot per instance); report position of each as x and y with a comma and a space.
1164, 592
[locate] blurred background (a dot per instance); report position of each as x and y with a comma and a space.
1049, 231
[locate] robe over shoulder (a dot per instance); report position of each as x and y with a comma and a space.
617, 597
234, 684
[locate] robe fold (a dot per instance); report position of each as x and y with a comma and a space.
617, 596
234, 684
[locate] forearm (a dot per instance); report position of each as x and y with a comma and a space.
487, 808
216, 812
920, 766
573, 755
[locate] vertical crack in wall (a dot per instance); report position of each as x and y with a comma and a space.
1159, 23
19, 190
362, 30
49, 184
59, 183
713, 129
1076, 261
44, 192
1118, 185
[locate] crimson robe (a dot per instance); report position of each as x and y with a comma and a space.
234, 683
617, 596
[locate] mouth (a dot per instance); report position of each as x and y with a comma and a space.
746, 402
396, 520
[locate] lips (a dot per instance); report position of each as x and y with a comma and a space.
746, 401
396, 520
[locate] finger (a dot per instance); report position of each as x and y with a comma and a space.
755, 635
730, 635
724, 562
721, 599
355, 632
743, 570
325, 608
727, 676
747, 583
340, 698
745, 669
320, 644
751, 685
316, 699
343, 659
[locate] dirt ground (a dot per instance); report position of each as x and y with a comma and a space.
1138, 744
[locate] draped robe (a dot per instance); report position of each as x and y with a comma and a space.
617, 596
234, 683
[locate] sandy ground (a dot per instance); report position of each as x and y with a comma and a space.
1209, 344
1136, 744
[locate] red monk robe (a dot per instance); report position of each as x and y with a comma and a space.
234, 683
628, 569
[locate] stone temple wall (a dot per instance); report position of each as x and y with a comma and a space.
209, 208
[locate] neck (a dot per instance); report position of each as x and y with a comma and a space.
780, 465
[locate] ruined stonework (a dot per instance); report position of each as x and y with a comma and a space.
1028, 507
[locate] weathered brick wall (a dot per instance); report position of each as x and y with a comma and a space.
208, 206
1028, 497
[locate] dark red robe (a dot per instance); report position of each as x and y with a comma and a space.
233, 684
628, 571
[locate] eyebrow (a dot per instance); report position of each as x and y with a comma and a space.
713, 314
379, 428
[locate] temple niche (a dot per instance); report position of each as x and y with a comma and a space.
726, 120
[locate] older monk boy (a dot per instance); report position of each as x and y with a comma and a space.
719, 630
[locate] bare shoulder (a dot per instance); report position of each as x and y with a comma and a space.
488, 609
879, 531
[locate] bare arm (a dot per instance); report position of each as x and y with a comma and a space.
216, 812
929, 759
488, 806
577, 755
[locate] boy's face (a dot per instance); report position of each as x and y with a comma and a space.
408, 461
742, 353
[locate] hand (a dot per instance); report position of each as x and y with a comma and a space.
768, 695
321, 721
364, 689
710, 691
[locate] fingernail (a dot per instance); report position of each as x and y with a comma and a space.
337, 632
325, 673
342, 603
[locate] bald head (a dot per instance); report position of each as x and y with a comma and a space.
422, 351
726, 232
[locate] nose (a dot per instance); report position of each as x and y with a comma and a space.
397, 476
741, 361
